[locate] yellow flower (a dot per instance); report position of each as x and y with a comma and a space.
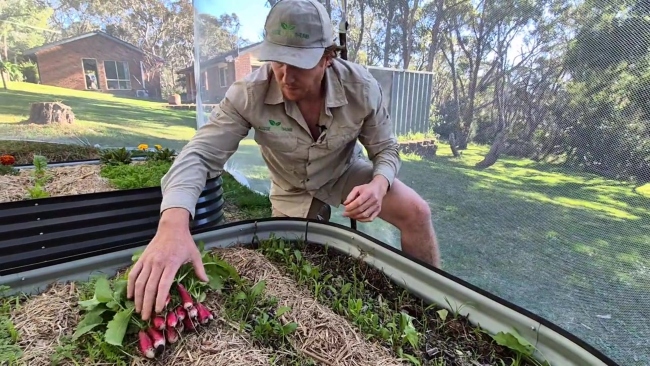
158, 147
143, 147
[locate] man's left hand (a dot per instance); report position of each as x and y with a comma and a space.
364, 201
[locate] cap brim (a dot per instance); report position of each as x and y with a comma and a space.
304, 58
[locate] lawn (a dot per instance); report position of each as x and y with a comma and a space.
101, 118
572, 247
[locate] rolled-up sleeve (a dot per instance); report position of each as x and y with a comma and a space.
206, 153
377, 134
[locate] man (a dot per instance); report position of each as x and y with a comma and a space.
308, 109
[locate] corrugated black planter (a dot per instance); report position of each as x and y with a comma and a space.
42, 232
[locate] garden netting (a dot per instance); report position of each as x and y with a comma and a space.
538, 181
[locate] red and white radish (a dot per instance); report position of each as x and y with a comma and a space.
146, 345
159, 322
180, 313
186, 298
171, 334
172, 319
204, 315
188, 324
158, 339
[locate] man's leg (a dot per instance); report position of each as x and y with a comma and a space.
403, 208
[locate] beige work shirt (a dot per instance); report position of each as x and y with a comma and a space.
300, 167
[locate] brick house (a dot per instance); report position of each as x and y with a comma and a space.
218, 73
97, 61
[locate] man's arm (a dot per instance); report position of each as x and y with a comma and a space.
378, 137
207, 152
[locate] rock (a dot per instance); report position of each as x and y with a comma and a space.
45, 113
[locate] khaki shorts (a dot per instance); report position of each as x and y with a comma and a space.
360, 172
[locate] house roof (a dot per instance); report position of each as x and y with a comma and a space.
220, 58
47, 46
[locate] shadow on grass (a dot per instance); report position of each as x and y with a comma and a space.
568, 247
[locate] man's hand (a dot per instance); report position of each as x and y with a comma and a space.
152, 275
364, 201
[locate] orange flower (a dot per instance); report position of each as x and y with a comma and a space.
7, 160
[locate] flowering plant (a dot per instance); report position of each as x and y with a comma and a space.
7, 160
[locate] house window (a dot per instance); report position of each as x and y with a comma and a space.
223, 76
117, 75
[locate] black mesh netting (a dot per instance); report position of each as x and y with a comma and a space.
539, 113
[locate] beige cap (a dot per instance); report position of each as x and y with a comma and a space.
296, 33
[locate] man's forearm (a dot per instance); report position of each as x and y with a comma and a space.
207, 152
387, 163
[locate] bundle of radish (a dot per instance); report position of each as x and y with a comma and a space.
184, 309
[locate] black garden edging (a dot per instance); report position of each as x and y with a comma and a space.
42, 232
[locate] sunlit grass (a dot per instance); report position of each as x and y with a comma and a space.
101, 118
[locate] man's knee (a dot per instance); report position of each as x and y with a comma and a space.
404, 207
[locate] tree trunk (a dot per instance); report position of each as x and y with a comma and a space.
45, 113
453, 146
495, 150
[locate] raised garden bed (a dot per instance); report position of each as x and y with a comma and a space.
54, 214
281, 291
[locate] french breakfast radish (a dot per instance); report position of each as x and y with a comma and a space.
172, 319
186, 298
146, 345
180, 313
188, 324
171, 334
159, 322
204, 315
158, 339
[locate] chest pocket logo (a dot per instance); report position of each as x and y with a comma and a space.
275, 126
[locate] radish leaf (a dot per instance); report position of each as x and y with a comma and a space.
89, 304
103, 292
90, 321
120, 290
137, 255
215, 282
116, 328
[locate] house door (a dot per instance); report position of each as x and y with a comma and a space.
91, 76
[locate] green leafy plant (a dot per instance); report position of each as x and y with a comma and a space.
41, 177
161, 154
8, 170
120, 156
109, 315
147, 174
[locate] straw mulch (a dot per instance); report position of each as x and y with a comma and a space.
43, 320
321, 334
65, 181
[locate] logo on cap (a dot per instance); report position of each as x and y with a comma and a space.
288, 31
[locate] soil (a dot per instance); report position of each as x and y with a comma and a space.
321, 334
454, 341
79, 179
70, 180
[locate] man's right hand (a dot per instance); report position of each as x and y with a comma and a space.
152, 275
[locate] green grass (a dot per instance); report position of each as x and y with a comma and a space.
563, 244
100, 118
